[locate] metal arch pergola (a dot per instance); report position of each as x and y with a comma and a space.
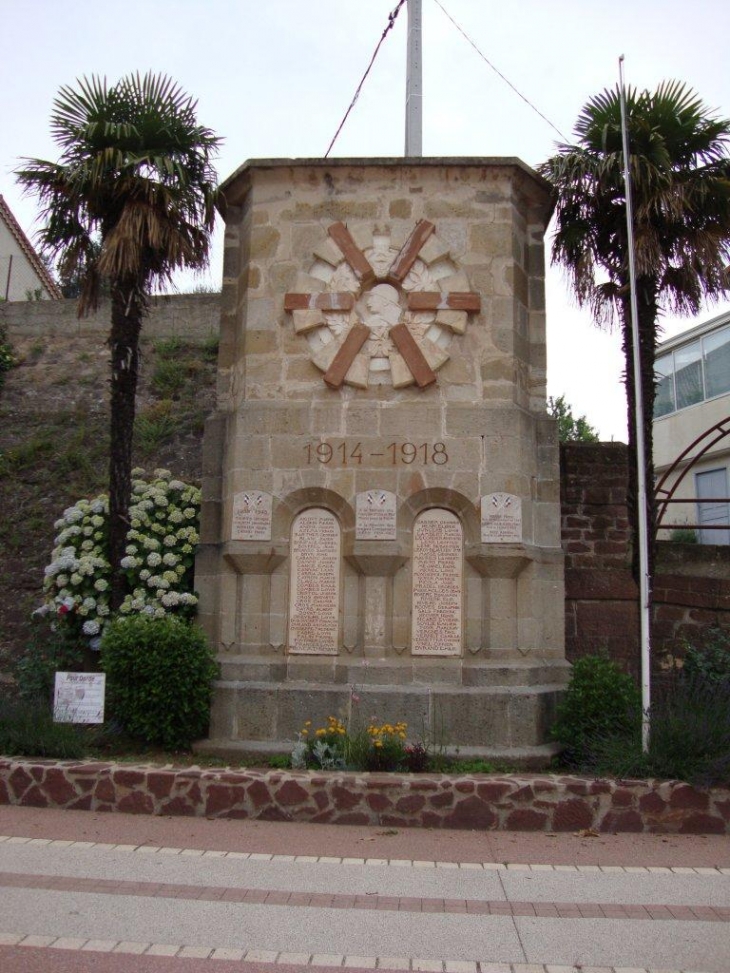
665, 494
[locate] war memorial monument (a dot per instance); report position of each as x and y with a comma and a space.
381, 500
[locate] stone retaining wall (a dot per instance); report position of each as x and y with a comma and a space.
528, 802
193, 317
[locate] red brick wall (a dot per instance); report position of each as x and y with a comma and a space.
691, 588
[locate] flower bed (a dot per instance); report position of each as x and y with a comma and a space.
526, 802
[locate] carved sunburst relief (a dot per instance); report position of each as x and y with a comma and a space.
384, 314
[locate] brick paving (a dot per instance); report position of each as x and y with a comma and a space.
385, 903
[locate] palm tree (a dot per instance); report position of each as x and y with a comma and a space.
680, 183
130, 201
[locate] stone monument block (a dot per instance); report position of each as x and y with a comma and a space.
381, 492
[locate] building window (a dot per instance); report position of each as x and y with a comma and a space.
693, 372
716, 362
712, 507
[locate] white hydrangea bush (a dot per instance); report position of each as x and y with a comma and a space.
158, 559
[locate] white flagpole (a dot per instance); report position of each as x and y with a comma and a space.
644, 580
414, 82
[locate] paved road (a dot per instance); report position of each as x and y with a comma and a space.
119, 893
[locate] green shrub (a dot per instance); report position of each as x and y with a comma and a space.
159, 673
689, 738
710, 661
601, 701
27, 729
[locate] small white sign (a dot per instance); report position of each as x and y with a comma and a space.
501, 519
251, 516
78, 697
375, 516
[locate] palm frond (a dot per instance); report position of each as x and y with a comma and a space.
135, 170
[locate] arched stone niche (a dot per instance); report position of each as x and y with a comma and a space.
437, 584
315, 583
462, 508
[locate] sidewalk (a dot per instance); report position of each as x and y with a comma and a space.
177, 893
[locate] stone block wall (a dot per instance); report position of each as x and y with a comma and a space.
692, 583
188, 316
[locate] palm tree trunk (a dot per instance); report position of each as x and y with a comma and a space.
647, 325
124, 340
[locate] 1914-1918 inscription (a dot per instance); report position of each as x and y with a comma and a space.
437, 584
314, 600
344, 453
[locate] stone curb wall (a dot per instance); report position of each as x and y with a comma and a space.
529, 802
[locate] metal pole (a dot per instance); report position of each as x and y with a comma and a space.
414, 82
644, 579
7, 284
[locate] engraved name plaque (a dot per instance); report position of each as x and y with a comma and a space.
501, 519
375, 516
314, 599
437, 584
251, 516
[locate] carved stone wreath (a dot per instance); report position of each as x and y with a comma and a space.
377, 313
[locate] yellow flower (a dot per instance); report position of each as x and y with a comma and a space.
402, 735
307, 722
320, 732
305, 731
378, 743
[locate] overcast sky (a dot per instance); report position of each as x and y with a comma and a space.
274, 78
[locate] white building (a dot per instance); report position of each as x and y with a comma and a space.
692, 414
23, 275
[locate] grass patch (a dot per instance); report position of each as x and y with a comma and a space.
169, 378
154, 426
210, 348
27, 454
169, 347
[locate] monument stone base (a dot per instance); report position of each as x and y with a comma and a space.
498, 711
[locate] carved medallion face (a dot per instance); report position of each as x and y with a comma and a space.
384, 314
